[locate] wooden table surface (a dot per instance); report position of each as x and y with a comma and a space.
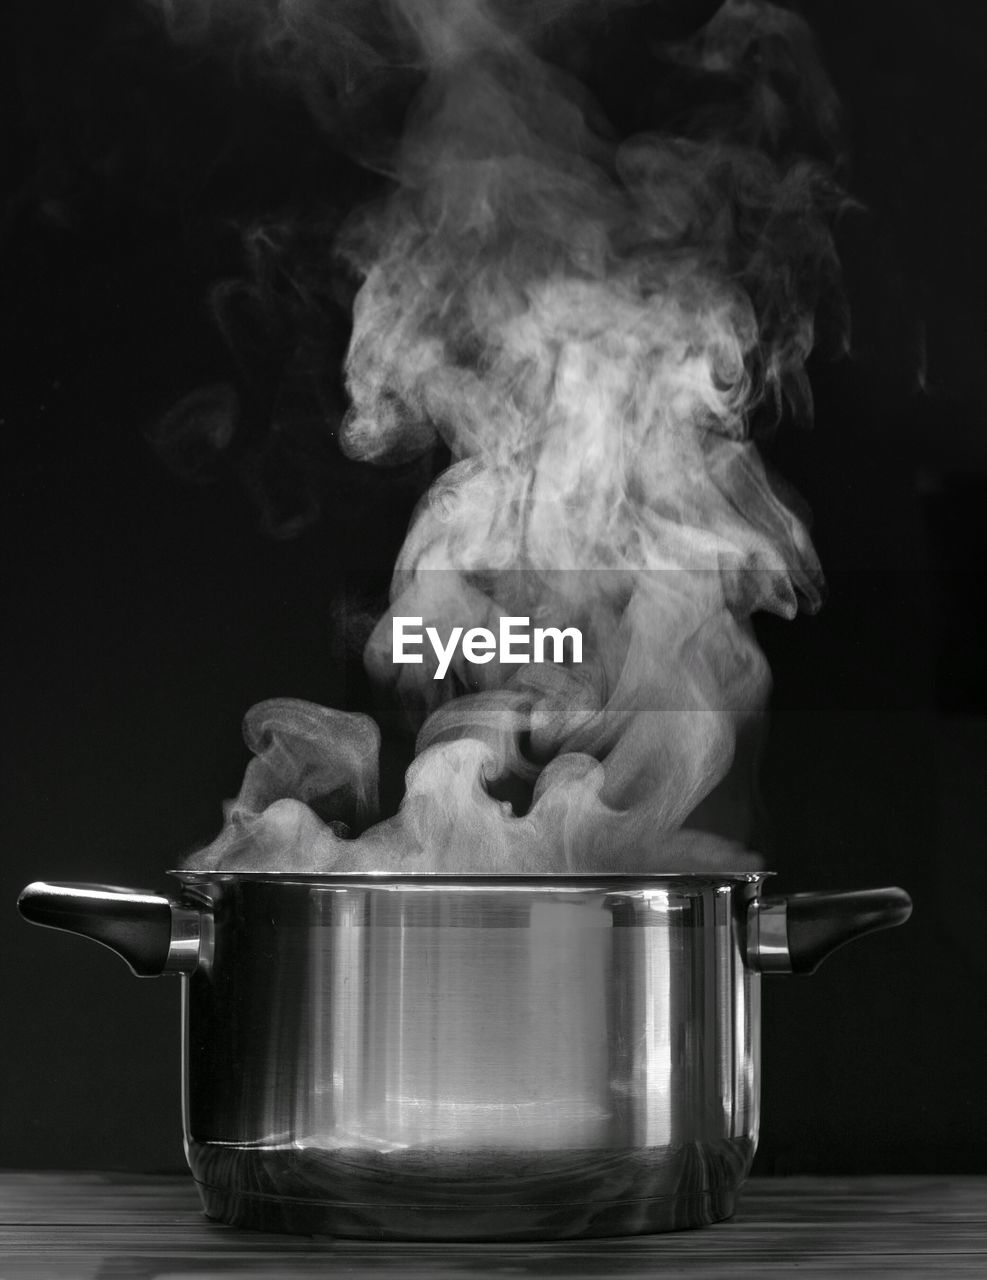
89, 1225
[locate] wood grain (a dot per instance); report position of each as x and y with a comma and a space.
91, 1226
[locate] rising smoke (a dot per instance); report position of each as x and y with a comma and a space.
596, 328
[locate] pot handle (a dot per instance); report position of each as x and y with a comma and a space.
795, 934
153, 934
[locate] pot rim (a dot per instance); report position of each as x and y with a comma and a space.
467, 880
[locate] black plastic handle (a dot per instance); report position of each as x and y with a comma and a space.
796, 933
137, 925
819, 923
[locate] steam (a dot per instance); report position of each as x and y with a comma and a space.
592, 327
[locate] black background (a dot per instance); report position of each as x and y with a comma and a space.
145, 614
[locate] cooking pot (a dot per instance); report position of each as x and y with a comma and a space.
484, 1058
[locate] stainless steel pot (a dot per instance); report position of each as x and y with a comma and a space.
479, 1058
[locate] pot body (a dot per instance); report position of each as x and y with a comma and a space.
472, 1059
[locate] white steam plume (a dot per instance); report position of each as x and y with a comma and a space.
590, 326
